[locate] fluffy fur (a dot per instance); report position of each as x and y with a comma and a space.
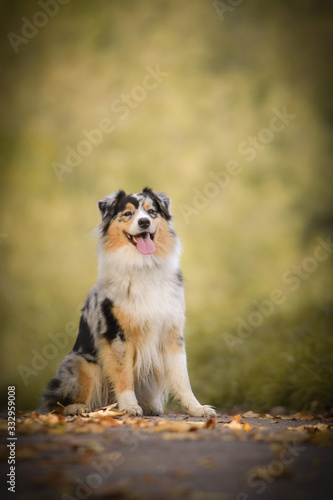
130, 346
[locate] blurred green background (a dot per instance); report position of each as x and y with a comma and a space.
225, 69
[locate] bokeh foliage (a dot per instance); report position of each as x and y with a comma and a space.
225, 77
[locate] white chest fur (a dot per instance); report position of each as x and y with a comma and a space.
155, 301
152, 297
149, 293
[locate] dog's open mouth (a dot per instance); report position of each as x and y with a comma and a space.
143, 242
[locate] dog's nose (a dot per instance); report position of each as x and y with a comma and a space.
144, 223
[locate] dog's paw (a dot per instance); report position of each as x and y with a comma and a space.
75, 409
202, 411
133, 410
154, 411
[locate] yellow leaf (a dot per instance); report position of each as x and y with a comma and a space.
250, 414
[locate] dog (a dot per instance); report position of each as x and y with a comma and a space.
130, 345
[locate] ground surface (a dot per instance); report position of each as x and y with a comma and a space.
107, 454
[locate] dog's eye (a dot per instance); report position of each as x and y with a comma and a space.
127, 214
152, 212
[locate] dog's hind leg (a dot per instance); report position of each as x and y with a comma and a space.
89, 385
75, 388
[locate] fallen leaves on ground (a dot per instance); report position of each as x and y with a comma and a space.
246, 426
312, 428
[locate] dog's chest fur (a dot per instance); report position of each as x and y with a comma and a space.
153, 302
154, 299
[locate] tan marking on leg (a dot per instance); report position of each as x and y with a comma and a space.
85, 382
164, 241
89, 377
118, 367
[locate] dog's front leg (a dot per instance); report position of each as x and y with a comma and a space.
117, 359
178, 379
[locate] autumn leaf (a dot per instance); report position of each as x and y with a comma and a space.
247, 427
311, 428
250, 414
179, 436
177, 426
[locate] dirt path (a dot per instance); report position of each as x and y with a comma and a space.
109, 455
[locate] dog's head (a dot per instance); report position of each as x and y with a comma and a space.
139, 221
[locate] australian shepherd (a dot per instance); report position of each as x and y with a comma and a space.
130, 346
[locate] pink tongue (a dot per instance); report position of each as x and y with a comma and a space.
145, 244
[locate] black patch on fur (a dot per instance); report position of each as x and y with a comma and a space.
127, 199
68, 400
122, 335
96, 300
113, 329
88, 357
109, 210
162, 206
85, 342
53, 384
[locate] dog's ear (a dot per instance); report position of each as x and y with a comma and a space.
164, 203
108, 205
